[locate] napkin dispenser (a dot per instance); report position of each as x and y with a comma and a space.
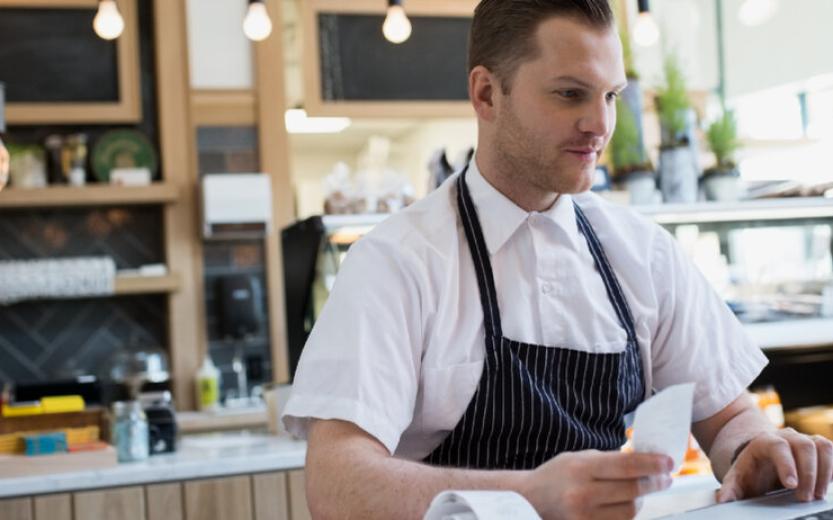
236, 205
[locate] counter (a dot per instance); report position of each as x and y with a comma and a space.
198, 456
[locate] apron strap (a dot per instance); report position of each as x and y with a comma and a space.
614, 290
480, 255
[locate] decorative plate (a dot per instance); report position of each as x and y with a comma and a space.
123, 148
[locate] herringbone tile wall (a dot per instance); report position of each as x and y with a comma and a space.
57, 339
42, 340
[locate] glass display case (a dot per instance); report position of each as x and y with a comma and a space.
770, 259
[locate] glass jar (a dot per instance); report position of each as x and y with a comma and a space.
130, 431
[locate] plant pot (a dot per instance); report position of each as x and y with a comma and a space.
721, 184
632, 96
642, 187
678, 175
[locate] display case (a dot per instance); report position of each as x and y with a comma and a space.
313, 250
771, 260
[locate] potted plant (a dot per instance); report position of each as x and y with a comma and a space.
721, 181
632, 94
627, 156
678, 170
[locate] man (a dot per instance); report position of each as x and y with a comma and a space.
494, 335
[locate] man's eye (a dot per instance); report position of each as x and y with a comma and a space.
612, 96
569, 94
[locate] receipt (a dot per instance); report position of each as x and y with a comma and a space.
662, 423
480, 505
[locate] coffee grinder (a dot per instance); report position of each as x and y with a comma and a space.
240, 314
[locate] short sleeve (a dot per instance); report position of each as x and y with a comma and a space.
697, 338
362, 359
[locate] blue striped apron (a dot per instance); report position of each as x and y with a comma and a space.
534, 402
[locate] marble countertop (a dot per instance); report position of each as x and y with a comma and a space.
197, 456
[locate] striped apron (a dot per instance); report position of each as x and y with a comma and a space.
534, 402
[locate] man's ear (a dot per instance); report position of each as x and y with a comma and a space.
483, 88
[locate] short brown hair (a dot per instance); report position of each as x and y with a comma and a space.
502, 31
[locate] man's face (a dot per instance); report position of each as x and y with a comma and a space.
561, 110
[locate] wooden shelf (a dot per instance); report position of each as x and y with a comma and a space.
147, 284
92, 195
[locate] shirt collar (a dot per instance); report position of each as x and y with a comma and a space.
504, 217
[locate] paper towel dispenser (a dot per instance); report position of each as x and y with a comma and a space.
236, 205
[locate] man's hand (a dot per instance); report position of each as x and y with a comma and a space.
595, 484
780, 458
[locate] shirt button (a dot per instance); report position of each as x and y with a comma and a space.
546, 288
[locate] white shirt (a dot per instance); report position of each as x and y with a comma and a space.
398, 348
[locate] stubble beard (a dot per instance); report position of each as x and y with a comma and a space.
528, 166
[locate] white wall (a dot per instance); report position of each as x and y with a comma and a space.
688, 29
308, 171
417, 147
791, 47
220, 54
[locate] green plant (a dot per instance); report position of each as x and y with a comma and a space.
20, 149
626, 153
722, 136
673, 103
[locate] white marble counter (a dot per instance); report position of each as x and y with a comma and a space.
198, 456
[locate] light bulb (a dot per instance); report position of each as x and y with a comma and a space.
756, 12
108, 23
645, 31
397, 27
257, 26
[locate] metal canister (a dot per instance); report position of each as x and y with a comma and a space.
130, 431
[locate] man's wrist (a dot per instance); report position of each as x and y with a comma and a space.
738, 451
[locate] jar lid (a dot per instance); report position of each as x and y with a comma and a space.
122, 407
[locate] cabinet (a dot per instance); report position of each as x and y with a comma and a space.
260, 496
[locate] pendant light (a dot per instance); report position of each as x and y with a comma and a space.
397, 27
108, 22
257, 26
756, 12
645, 31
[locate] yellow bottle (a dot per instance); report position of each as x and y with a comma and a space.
208, 385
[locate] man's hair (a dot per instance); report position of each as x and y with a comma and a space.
503, 31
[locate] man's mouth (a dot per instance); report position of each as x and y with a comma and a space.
584, 154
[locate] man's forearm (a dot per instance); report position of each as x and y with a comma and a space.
737, 431
358, 483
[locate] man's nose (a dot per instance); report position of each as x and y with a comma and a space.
597, 118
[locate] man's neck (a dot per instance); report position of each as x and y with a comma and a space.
515, 187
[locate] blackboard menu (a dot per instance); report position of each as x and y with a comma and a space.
53, 55
359, 64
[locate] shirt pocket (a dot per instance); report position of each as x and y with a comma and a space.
447, 392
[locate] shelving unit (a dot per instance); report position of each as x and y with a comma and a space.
147, 284
763, 209
92, 195
779, 335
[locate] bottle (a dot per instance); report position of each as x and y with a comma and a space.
130, 431
208, 385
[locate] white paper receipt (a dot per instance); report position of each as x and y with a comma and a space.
480, 505
662, 423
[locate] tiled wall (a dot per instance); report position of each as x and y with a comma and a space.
130, 235
42, 340
47, 340
233, 150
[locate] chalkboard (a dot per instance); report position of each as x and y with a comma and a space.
358, 64
53, 55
